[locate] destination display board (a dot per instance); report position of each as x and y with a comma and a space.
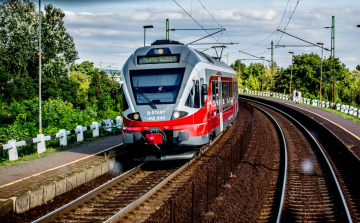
174, 58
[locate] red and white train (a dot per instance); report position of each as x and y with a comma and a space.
176, 99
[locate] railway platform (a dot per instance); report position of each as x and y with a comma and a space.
345, 130
21, 177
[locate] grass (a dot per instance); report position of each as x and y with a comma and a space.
352, 118
343, 115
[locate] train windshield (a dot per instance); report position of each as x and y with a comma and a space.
157, 86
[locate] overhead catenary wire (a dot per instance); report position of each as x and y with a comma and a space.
202, 26
214, 19
297, 3
193, 19
276, 31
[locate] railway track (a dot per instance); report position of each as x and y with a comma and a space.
115, 197
312, 192
121, 196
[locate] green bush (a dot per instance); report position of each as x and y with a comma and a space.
21, 121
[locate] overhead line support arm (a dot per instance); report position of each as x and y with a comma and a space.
302, 39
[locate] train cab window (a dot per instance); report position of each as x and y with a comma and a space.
160, 86
193, 99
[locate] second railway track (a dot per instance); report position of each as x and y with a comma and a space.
312, 192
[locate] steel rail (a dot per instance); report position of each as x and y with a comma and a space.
322, 152
87, 197
135, 204
282, 164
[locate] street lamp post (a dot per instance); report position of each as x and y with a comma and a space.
292, 53
147, 27
40, 54
322, 49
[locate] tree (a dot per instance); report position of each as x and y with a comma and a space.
239, 69
19, 39
358, 67
85, 67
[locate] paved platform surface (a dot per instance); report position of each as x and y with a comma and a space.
347, 131
58, 160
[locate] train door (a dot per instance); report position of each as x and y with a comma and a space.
220, 104
214, 105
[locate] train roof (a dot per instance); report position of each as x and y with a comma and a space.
176, 47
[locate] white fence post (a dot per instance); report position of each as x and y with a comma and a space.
95, 128
119, 121
13, 153
63, 138
79, 133
41, 143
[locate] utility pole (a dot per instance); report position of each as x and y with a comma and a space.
272, 53
167, 29
333, 52
322, 49
272, 60
333, 37
40, 54
292, 53
262, 79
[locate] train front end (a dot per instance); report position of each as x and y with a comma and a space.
158, 125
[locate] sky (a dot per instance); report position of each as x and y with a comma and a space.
109, 31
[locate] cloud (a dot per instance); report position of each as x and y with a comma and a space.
347, 59
119, 34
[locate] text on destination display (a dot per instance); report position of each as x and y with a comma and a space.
158, 59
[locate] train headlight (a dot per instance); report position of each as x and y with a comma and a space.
160, 51
178, 114
134, 116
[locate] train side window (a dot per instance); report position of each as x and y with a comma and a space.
223, 94
226, 94
197, 95
230, 91
213, 90
193, 99
234, 91
124, 100
203, 92
217, 92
